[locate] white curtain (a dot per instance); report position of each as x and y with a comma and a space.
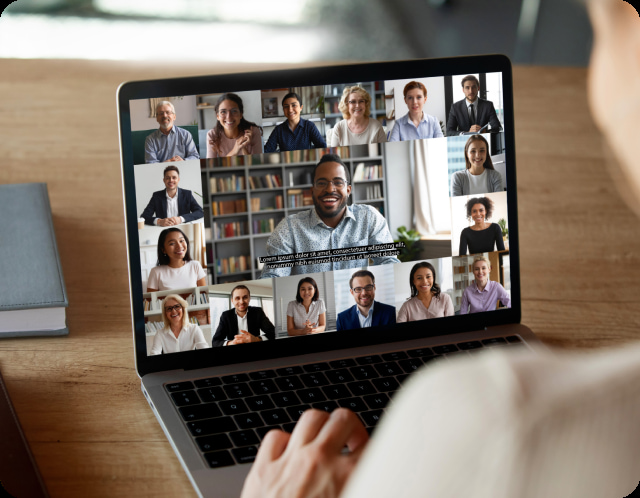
431, 203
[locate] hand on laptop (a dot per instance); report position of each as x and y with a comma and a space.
309, 462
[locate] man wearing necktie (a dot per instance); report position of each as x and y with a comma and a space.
470, 114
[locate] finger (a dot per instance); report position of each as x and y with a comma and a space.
273, 445
343, 428
307, 428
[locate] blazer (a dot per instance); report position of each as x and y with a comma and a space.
188, 208
458, 121
256, 321
383, 314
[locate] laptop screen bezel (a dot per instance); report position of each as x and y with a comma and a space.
324, 75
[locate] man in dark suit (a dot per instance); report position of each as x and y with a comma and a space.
173, 205
366, 312
244, 323
471, 113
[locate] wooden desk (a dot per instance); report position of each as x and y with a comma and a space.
78, 398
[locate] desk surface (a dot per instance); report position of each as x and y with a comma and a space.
79, 399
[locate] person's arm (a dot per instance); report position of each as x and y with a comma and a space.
150, 153
148, 213
279, 242
336, 134
157, 344
256, 140
496, 181
462, 250
448, 305
457, 183
293, 331
380, 136
211, 153
493, 118
438, 133
315, 137
190, 151
380, 234
503, 296
394, 136
321, 324
452, 122
267, 328
152, 282
272, 142
195, 210
199, 340
403, 314
339, 325
220, 337
464, 305
499, 239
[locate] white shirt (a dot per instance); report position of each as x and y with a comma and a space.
300, 315
243, 324
164, 277
365, 321
172, 207
477, 183
190, 337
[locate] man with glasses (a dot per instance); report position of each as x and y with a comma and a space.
330, 225
169, 143
367, 312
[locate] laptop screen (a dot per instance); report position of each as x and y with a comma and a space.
321, 214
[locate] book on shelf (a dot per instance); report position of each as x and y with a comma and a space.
265, 181
230, 229
266, 225
232, 183
255, 204
297, 197
373, 192
228, 207
153, 327
367, 172
233, 264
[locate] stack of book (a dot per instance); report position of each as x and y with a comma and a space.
299, 198
233, 183
229, 207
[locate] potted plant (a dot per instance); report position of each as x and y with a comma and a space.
411, 248
503, 226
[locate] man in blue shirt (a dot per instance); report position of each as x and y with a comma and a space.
295, 133
330, 225
366, 312
169, 143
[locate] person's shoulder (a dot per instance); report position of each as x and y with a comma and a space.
160, 193
348, 311
444, 296
153, 134
383, 306
364, 209
181, 131
194, 263
184, 191
374, 122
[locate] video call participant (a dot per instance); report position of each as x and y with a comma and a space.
168, 143
295, 133
482, 236
367, 312
178, 334
172, 205
483, 294
427, 300
233, 135
357, 127
471, 113
479, 177
176, 269
244, 323
415, 124
307, 314
330, 224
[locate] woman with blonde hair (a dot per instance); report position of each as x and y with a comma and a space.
178, 334
483, 294
357, 127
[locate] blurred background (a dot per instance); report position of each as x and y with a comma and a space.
541, 32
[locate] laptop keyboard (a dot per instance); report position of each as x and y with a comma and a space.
229, 415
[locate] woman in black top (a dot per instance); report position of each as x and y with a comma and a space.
482, 236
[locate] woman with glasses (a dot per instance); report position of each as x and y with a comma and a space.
233, 135
178, 334
415, 124
307, 314
427, 300
357, 127
175, 268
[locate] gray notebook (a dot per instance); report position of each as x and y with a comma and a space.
33, 297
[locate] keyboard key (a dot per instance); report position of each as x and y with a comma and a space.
262, 374
233, 407
513, 338
179, 386
273, 417
495, 341
344, 363
336, 391
311, 395
339, 376
295, 412
289, 383
249, 420
286, 371
410, 365
219, 459
327, 406
465, 346
185, 398
285, 399
212, 426
433, 359
353, 404
241, 390
266, 386
210, 394
235, 378
376, 401
420, 353
456, 354
214, 443
364, 372
245, 455
314, 380
368, 360
199, 412
289, 427
211, 382
447, 348
389, 368
360, 388
371, 418
386, 384
395, 356
316, 367
262, 431
401, 378
244, 438
257, 403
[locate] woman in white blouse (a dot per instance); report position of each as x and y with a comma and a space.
178, 334
307, 314
176, 269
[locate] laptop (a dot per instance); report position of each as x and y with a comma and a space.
308, 238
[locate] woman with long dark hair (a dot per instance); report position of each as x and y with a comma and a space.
233, 135
427, 300
307, 314
480, 176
